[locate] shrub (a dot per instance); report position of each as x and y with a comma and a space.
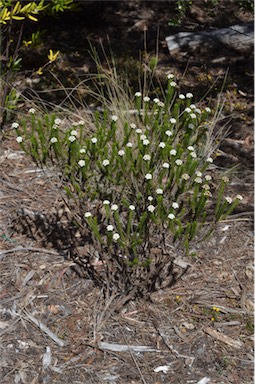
139, 174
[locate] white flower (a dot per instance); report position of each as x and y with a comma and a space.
121, 152
162, 145
181, 96
114, 207
173, 84
228, 199
150, 198
198, 174
81, 122
106, 202
206, 186
81, 163
57, 121
193, 154
72, 138
239, 197
178, 162
146, 98
188, 110
133, 126
208, 177
159, 191
166, 165
148, 176
190, 148
143, 137
87, 214
146, 157
208, 110
169, 133
115, 236
189, 95
94, 140
31, 110
74, 124
109, 228
15, 125
175, 205
53, 140
198, 180
131, 207
19, 139
138, 94
172, 120
191, 126
185, 176
193, 116
209, 160
192, 106
171, 216
161, 104
208, 193
146, 142
106, 162
225, 179
138, 130
173, 152
197, 110
129, 145
114, 118
74, 133
151, 208
82, 150
156, 100
55, 126
170, 76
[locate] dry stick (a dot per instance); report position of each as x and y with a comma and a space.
223, 338
46, 330
190, 359
31, 249
136, 364
113, 347
138, 368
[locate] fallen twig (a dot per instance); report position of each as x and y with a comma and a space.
125, 348
26, 249
46, 330
224, 338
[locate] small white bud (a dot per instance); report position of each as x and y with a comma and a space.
106, 162
151, 208
81, 163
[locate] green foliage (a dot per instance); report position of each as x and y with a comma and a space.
248, 5
140, 178
13, 15
62, 5
182, 6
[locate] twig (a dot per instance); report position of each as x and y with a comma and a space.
125, 348
223, 338
138, 368
189, 359
46, 330
30, 249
